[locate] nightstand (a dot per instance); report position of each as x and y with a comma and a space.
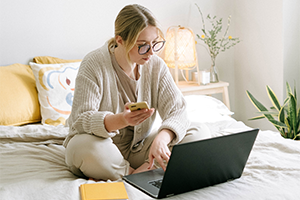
211, 88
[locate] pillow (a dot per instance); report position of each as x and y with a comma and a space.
55, 84
51, 60
19, 98
202, 108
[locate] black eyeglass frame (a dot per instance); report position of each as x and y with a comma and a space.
149, 47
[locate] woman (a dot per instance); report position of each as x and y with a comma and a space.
106, 140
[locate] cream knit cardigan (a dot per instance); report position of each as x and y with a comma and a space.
96, 95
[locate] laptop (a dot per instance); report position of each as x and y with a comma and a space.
197, 165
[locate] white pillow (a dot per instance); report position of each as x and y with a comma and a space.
202, 108
55, 84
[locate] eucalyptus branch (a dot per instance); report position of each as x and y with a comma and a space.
203, 24
228, 25
210, 38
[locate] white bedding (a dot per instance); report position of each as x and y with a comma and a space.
32, 165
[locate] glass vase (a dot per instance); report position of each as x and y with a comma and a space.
214, 78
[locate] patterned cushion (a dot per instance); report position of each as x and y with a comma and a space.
56, 85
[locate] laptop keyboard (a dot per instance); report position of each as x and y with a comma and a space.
156, 183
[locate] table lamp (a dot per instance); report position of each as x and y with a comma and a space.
180, 51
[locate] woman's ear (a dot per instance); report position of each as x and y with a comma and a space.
119, 40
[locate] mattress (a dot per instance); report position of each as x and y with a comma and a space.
32, 163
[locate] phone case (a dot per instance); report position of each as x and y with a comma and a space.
138, 106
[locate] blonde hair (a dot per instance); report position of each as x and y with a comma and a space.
132, 20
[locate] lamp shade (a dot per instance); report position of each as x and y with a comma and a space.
180, 48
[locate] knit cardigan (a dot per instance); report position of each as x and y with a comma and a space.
96, 95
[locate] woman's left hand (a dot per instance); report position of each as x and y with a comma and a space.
159, 149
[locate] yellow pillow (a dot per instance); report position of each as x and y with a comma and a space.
19, 102
51, 60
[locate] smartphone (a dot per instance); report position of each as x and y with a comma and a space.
138, 106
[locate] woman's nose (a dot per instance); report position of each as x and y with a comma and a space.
151, 52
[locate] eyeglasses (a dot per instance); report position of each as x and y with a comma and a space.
143, 49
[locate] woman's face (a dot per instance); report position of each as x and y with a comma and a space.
148, 36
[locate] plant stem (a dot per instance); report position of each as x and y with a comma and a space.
203, 24
213, 59
228, 24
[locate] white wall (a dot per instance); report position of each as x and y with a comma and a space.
291, 33
63, 28
72, 28
259, 58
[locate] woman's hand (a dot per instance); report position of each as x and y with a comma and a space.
159, 149
115, 122
136, 117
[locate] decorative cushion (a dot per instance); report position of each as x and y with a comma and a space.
56, 85
19, 98
51, 60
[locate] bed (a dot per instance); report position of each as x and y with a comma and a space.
32, 162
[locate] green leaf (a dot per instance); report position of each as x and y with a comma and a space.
281, 115
286, 100
278, 124
269, 112
292, 110
273, 108
298, 119
295, 92
258, 105
286, 121
288, 89
258, 117
292, 119
273, 98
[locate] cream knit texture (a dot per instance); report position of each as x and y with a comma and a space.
96, 95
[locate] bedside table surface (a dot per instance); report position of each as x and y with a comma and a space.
184, 86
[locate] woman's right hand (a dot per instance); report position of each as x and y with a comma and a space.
136, 117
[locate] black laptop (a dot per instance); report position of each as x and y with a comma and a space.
198, 164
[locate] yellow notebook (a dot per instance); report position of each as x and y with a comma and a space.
101, 191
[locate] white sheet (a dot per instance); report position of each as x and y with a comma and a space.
32, 166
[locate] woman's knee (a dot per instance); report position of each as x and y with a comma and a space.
95, 157
196, 131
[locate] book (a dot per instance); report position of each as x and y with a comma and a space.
101, 191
